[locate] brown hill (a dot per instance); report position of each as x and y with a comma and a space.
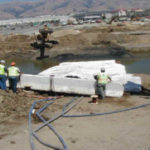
18, 9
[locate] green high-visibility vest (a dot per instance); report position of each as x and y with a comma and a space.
102, 79
2, 69
13, 71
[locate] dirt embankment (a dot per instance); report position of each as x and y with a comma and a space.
109, 41
112, 40
18, 45
16, 106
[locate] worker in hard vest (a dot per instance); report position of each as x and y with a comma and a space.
13, 75
3, 73
102, 80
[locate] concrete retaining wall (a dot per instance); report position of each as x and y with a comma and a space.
78, 78
114, 89
85, 87
35, 82
71, 85
67, 85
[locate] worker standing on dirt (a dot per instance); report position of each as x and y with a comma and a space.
102, 80
3, 72
13, 75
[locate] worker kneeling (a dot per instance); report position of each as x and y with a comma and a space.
13, 75
102, 79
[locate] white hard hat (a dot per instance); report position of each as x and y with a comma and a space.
2, 61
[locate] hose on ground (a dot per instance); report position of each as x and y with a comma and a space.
106, 113
30, 120
59, 115
47, 123
66, 108
51, 128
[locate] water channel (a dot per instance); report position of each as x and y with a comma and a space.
138, 64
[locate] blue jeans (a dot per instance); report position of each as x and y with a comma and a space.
3, 82
101, 90
13, 83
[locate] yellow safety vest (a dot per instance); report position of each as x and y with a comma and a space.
102, 79
2, 69
13, 71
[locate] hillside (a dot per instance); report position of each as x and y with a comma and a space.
16, 9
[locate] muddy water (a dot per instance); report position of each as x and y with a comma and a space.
133, 65
137, 66
32, 66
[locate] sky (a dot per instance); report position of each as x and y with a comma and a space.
2, 1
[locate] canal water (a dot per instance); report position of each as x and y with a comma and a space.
133, 65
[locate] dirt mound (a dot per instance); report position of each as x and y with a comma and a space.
99, 37
14, 106
145, 81
79, 41
15, 43
73, 40
18, 38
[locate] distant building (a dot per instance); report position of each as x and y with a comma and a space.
119, 12
92, 18
81, 16
107, 15
147, 12
135, 12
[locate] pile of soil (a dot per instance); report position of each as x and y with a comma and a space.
14, 106
11, 44
97, 39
